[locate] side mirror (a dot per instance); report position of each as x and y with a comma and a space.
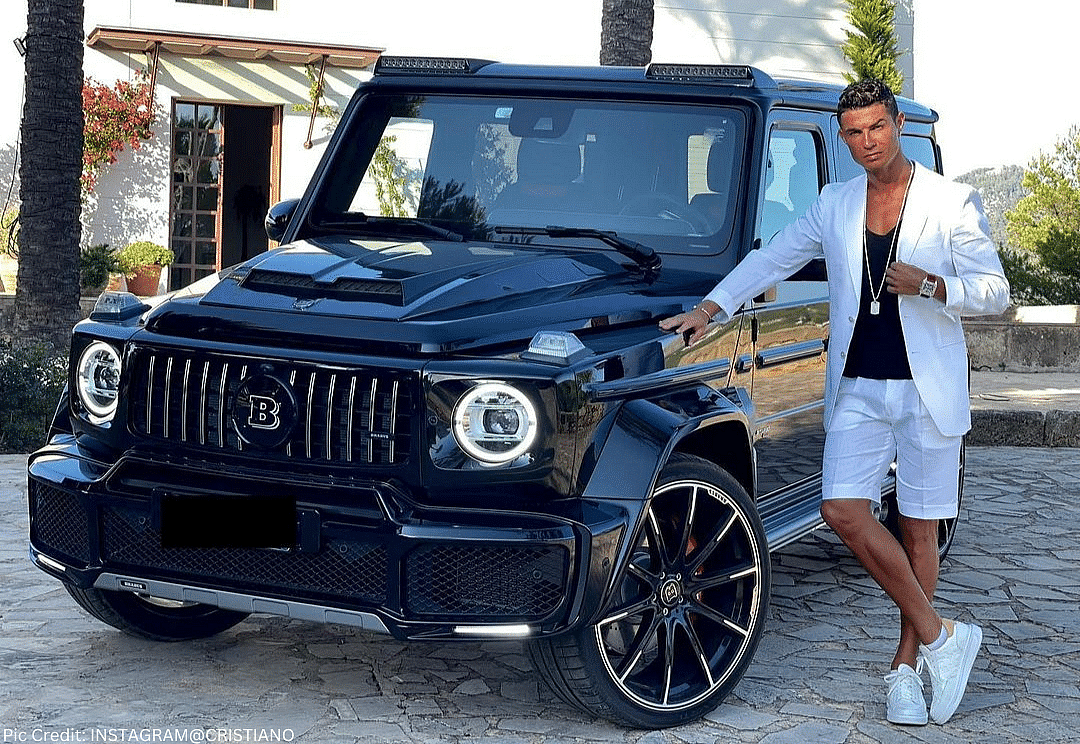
278, 218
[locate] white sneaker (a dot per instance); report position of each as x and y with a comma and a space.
905, 703
949, 668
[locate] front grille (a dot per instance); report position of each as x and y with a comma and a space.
347, 569
59, 522
342, 415
526, 582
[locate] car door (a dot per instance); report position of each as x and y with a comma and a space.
790, 324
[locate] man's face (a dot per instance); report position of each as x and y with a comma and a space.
872, 135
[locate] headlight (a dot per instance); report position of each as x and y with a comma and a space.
494, 423
98, 380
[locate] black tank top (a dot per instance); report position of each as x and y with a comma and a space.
877, 348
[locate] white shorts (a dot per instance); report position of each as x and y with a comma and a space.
877, 421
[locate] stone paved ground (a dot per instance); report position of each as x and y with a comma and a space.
815, 679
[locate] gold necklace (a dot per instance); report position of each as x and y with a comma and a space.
875, 304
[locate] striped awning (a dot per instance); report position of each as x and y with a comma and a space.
231, 47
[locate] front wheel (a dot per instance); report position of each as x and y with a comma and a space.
685, 617
156, 619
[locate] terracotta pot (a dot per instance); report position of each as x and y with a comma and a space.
145, 282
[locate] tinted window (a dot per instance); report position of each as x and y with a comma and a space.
792, 179
664, 175
919, 149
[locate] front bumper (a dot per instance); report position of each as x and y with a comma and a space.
366, 553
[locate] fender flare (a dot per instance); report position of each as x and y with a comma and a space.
641, 440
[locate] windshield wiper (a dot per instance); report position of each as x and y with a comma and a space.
397, 225
642, 255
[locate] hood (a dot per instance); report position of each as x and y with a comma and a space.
401, 281
438, 294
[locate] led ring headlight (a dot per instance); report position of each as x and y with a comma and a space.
98, 380
494, 423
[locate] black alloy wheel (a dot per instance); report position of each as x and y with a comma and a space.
687, 614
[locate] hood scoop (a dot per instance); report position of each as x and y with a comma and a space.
386, 291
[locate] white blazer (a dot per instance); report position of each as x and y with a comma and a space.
944, 231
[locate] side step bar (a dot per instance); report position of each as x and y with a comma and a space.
796, 512
791, 514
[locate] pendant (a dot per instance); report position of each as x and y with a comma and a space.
875, 307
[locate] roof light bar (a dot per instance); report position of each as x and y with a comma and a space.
391, 65
741, 75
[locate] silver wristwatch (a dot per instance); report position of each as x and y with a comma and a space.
928, 287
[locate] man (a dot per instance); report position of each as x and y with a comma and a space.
896, 379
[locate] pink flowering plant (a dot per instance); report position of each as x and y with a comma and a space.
114, 115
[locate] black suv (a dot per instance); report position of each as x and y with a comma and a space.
443, 409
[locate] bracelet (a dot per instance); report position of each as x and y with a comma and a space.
703, 311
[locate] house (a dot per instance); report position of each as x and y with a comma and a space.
232, 83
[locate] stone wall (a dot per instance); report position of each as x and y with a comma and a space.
1026, 339
7, 309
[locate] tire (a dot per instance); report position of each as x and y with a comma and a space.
155, 619
686, 615
889, 514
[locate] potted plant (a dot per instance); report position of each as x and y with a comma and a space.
9, 249
141, 263
96, 263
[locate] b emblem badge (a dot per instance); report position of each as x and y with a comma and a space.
263, 411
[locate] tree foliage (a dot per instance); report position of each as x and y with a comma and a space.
1043, 261
114, 115
1000, 188
873, 48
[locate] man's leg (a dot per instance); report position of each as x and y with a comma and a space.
920, 544
886, 561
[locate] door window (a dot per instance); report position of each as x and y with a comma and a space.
792, 180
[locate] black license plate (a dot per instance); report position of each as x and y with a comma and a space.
201, 521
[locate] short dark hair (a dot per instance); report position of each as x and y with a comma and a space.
866, 93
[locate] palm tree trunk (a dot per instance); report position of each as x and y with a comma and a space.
47, 299
626, 31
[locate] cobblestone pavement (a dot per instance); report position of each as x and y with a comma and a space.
816, 677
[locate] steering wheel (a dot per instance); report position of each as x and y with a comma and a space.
655, 204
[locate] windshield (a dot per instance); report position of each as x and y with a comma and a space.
665, 175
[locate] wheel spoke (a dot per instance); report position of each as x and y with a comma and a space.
640, 607
699, 651
657, 537
642, 642
668, 661
719, 618
688, 523
735, 573
718, 539
648, 579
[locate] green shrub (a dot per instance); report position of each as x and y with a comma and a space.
95, 265
32, 382
134, 256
